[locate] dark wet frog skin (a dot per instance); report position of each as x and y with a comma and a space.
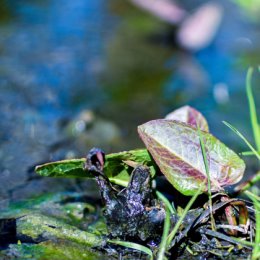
132, 213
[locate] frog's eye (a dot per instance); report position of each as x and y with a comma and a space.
96, 158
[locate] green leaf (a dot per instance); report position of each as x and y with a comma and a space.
64, 168
117, 166
176, 149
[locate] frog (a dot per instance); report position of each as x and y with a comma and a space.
132, 213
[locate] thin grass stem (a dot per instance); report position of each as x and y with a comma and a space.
252, 108
166, 202
244, 242
213, 226
180, 220
243, 138
249, 153
256, 201
166, 229
249, 183
252, 196
134, 246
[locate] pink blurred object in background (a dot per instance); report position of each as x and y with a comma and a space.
164, 9
199, 29
196, 30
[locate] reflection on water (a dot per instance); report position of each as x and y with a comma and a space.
51, 56
109, 59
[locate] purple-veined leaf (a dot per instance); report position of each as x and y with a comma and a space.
190, 116
176, 149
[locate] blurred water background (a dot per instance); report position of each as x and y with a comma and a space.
77, 74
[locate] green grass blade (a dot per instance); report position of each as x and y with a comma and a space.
134, 246
243, 138
208, 176
249, 183
252, 196
248, 153
244, 242
256, 201
166, 202
180, 220
166, 229
252, 108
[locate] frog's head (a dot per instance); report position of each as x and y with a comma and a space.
140, 181
95, 160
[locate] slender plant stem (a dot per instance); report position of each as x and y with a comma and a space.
256, 201
132, 245
243, 138
252, 196
249, 183
180, 220
166, 229
249, 153
213, 226
252, 108
166, 202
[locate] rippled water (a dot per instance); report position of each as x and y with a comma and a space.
63, 63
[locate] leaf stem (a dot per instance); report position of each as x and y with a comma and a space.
213, 225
